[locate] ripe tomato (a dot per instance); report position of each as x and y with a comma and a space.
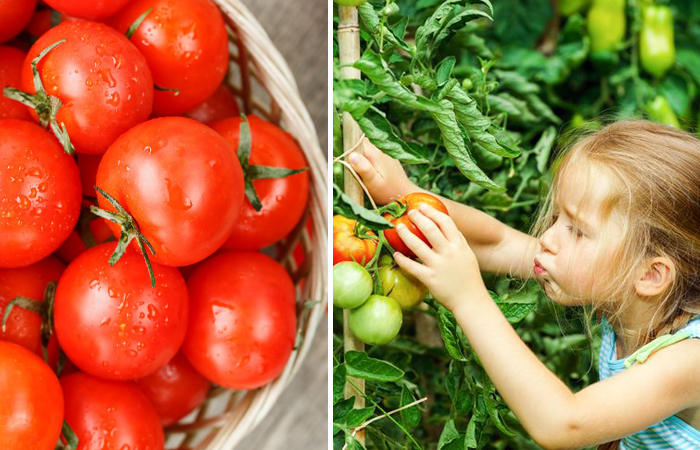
221, 105
283, 199
23, 327
88, 9
31, 410
103, 81
14, 16
404, 205
186, 45
108, 414
10, 68
348, 245
377, 321
181, 182
40, 22
88, 165
39, 193
175, 389
242, 319
97, 232
111, 323
352, 284
403, 287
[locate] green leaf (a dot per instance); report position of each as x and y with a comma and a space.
358, 416
379, 131
448, 330
516, 307
359, 211
340, 413
359, 365
444, 70
372, 66
449, 434
689, 59
494, 415
470, 436
338, 383
543, 148
409, 416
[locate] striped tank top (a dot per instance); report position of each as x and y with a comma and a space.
672, 432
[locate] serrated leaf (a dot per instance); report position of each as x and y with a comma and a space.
359, 365
378, 130
448, 331
409, 416
340, 412
338, 383
449, 434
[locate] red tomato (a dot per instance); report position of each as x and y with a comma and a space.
110, 414
14, 16
23, 326
175, 389
111, 323
283, 199
75, 245
242, 319
10, 67
186, 45
40, 22
347, 246
103, 81
221, 105
88, 9
411, 201
88, 165
31, 410
180, 181
39, 193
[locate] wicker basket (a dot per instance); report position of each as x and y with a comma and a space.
265, 85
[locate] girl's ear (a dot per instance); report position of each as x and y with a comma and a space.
656, 277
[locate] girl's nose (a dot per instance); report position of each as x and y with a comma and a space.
548, 242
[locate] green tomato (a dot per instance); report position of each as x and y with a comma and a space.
377, 321
352, 284
399, 285
350, 2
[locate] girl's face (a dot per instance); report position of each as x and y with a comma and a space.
576, 251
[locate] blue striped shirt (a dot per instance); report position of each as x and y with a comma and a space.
670, 433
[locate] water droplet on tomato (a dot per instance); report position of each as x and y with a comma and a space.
132, 353
177, 197
140, 346
139, 330
148, 149
152, 312
35, 172
114, 99
43, 187
105, 321
24, 202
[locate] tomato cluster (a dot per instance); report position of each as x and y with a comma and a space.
135, 201
376, 301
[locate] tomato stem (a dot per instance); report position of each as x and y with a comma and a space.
71, 439
251, 172
160, 88
134, 26
46, 106
129, 229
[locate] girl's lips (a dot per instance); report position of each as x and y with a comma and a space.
538, 269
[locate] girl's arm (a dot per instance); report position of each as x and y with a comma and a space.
554, 416
499, 248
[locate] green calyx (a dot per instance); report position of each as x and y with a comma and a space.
46, 106
130, 230
251, 172
134, 26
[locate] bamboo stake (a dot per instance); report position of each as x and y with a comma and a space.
349, 47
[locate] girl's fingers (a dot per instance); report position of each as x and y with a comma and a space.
412, 267
416, 244
429, 228
447, 225
363, 167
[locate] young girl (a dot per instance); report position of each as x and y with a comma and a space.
620, 232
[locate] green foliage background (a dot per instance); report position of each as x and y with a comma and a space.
474, 99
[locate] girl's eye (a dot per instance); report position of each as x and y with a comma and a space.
579, 233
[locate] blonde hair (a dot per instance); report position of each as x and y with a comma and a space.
655, 174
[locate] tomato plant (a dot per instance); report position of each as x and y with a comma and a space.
350, 242
399, 215
14, 16
179, 181
377, 321
399, 285
232, 341
102, 81
175, 389
277, 184
110, 414
31, 410
39, 193
350, 2
10, 68
186, 45
111, 323
352, 284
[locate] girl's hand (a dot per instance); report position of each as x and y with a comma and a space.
450, 269
383, 175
